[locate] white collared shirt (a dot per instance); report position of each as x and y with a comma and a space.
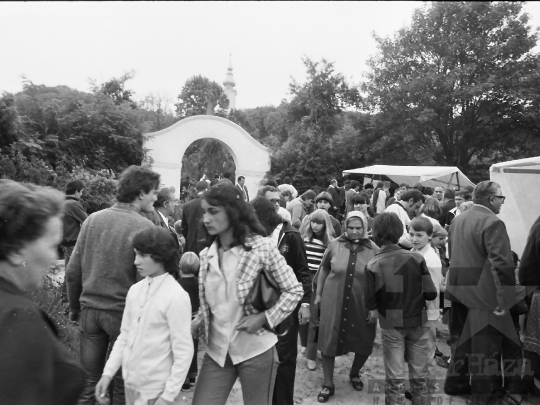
222, 297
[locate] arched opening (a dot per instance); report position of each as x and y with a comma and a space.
209, 157
166, 149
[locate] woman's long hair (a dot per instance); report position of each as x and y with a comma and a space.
432, 208
319, 216
266, 213
242, 218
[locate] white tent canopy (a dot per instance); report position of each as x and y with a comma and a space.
429, 176
520, 183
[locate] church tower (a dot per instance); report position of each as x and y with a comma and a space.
229, 84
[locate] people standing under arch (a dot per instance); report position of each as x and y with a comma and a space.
226, 180
241, 186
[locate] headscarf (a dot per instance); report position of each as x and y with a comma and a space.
362, 217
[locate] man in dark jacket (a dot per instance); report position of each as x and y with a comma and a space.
334, 192
449, 202
291, 246
192, 227
481, 285
74, 216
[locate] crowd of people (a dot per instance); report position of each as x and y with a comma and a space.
253, 281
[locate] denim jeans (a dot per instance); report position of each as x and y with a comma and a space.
98, 332
431, 364
411, 345
257, 376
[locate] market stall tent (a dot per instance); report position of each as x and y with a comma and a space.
429, 176
520, 183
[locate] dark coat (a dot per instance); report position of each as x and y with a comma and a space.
398, 285
481, 274
168, 227
35, 367
445, 209
336, 199
292, 248
192, 226
244, 192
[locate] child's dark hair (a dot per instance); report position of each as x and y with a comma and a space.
242, 217
160, 245
387, 229
360, 199
422, 224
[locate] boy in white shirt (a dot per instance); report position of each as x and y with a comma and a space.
420, 234
155, 347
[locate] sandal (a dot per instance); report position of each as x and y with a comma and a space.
356, 382
326, 393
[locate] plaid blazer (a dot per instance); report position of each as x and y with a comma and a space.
263, 255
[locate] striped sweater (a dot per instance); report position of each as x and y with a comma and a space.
314, 250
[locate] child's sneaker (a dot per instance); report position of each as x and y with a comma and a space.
186, 386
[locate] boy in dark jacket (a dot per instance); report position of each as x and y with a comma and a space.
398, 284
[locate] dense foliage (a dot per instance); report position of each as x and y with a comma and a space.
460, 86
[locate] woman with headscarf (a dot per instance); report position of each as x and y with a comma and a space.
317, 232
345, 323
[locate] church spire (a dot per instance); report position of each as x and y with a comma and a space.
229, 84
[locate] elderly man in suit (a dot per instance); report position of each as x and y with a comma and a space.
481, 285
164, 207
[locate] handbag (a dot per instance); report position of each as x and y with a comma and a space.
263, 295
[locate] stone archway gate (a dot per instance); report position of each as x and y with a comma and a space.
167, 147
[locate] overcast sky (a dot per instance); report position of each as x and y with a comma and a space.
167, 43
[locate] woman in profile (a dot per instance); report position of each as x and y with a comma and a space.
236, 337
35, 367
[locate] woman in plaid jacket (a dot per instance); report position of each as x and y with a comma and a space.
236, 342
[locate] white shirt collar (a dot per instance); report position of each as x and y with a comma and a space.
164, 219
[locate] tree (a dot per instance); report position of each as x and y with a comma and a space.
115, 88
159, 114
322, 97
314, 114
451, 81
201, 96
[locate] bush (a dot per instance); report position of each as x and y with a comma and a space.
49, 299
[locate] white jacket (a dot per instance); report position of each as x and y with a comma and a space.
155, 347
